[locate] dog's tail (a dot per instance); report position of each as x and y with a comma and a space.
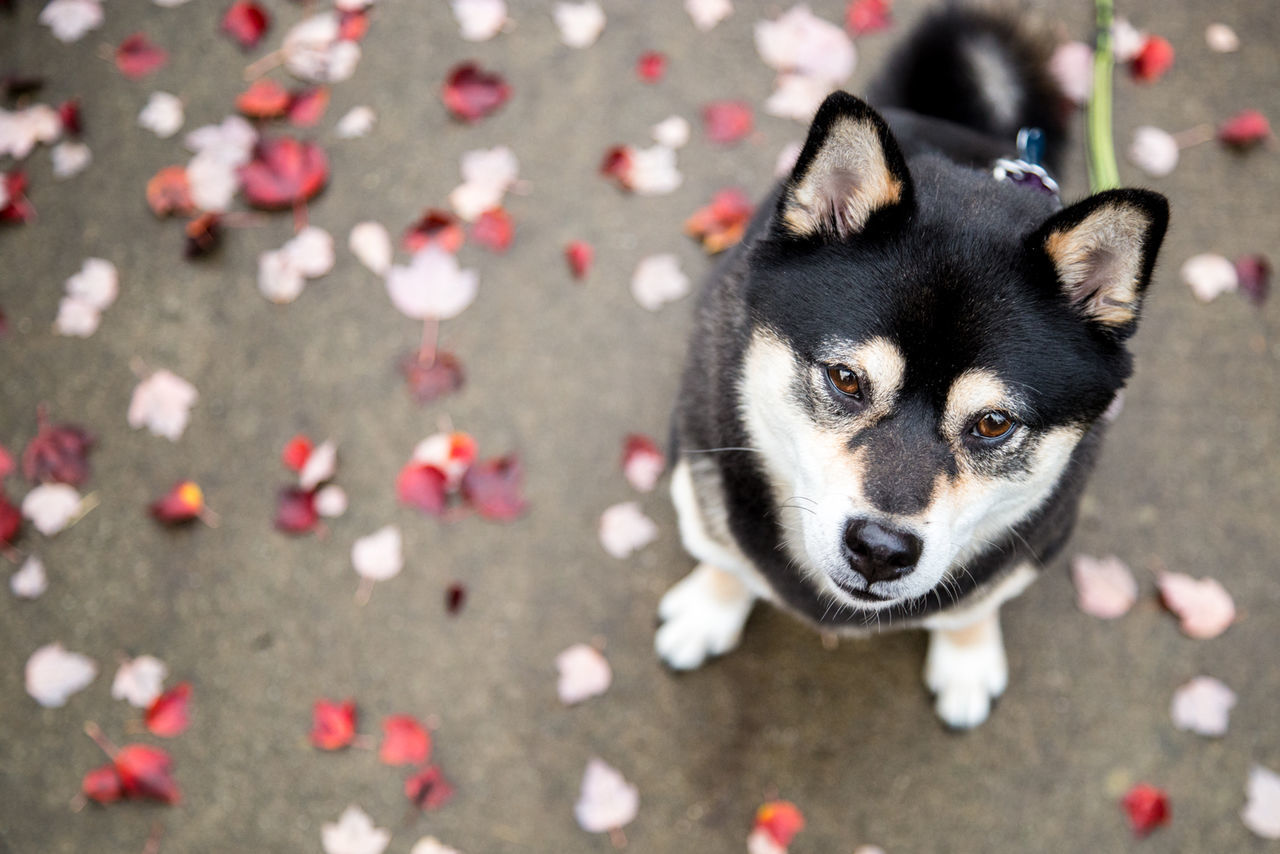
978, 67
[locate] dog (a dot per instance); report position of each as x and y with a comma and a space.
899, 380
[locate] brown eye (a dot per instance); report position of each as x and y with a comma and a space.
993, 425
844, 380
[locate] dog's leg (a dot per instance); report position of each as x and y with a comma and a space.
966, 668
702, 615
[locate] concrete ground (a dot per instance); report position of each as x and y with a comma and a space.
263, 624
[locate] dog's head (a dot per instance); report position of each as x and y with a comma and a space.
927, 349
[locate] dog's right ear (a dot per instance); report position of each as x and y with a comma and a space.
849, 169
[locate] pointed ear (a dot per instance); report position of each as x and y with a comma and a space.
1103, 250
850, 168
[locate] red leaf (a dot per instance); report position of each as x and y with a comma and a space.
721, 223
492, 488
428, 789
58, 453
1254, 273
617, 164
494, 229
430, 380
333, 725
246, 22
145, 772
352, 25
471, 93
167, 715
437, 227
651, 66
284, 172
204, 234
579, 254
10, 521
69, 116
404, 741
1155, 58
782, 820
307, 106
19, 208
181, 504
265, 99
6, 462
296, 511
455, 596
1147, 808
296, 451
867, 16
102, 785
422, 486
1245, 129
169, 192
136, 57
727, 122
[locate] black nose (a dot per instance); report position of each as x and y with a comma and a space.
878, 553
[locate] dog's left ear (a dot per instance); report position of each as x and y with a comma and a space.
849, 169
1103, 250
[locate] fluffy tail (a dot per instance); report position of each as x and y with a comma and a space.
985, 69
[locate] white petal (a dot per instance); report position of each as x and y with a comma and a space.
480, 20
1126, 40
53, 674
431, 845
380, 555
354, 833
213, 181
1203, 706
1104, 586
1154, 151
139, 680
76, 318
1261, 813
433, 285
672, 132
797, 96
584, 673
51, 507
1210, 275
497, 165
1221, 38
371, 244
162, 403
311, 251
279, 278
231, 141
331, 501
70, 158
580, 23
30, 581
97, 283
761, 842
71, 19
470, 200
624, 529
707, 13
162, 114
607, 801
320, 466
357, 122
801, 42
658, 280
653, 171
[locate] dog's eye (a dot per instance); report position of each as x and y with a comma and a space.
844, 381
993, 425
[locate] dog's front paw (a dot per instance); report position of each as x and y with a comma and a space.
967, 670
702, 616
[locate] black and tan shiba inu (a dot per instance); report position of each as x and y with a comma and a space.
896, 385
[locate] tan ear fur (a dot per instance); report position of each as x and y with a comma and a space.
1100, 261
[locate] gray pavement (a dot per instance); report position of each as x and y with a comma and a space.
263, 624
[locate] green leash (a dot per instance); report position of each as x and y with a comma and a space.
1100, 146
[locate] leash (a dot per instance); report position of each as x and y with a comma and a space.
1025, 170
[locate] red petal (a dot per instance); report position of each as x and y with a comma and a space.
726, 122
145, 772
181, 504
1155, 58
782, 820
494, 230
617, 165
6, 462
136, 57
10, 521
246, 22
167, 714
333, 725
1147, 808
265, 99
284, 172
422, 486
1245, 129
19, 208
69, 115
203, 233
721, 223
471, 93
353, 25
296, 511
307, 107
1254, 273
430, 380
492, 488
428, 789
436, 227
867, 16
296, 451
651, 66
102, 785
455, 596
169, 192
404, 741
579, 254
59, 453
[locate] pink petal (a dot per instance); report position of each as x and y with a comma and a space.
1154, 151
53, 674
354, 833
624, 529
1202, 706
1210, 275
642, 462
380, 555
1071, 67
1104, 586
607, 800
707, 13
1204, 605
658, 280
1261, 813
139, 681
584, 673
480, 20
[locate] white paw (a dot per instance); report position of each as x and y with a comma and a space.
702, 616
966, 677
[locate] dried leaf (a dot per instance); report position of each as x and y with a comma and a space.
782, 820
333, 725
1153, 60
183, 503
493, 488
246, 22
470, 93
1147, 808
404, 741
428, 789
136, 57
284, 172
434, 378
167, 715
296, 511
727, 122
58, 453
867, 16
579, 255
651, 66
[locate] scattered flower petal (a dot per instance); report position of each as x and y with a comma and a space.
781, 820
1210, 275
480, 20
642, 462
579, 255
357, 122
1126, 40
1154, 151
450, 453
707, 13
584, 673
1147, 808
139, 681
673, 132
431, 845
607, 800
432, 286
797, 96
71, 19
625, 529
354, 833
331, 501
658, 280
580, 24
1203, 605
1245, 129
162, 115
651, 66
1105, 587
470, 93
29, 582
867, 16
371, 244
799, 41
1151, 63
167, 716
1221, 38
51, 507
70, 158
494, 230
136, 57
1203, 706
380, 555
162, 403
1071, 67
727, 122
404, 741
333, 725
315, 50
53, 674
1261, 813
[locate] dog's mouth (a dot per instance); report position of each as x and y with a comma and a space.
857, 593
